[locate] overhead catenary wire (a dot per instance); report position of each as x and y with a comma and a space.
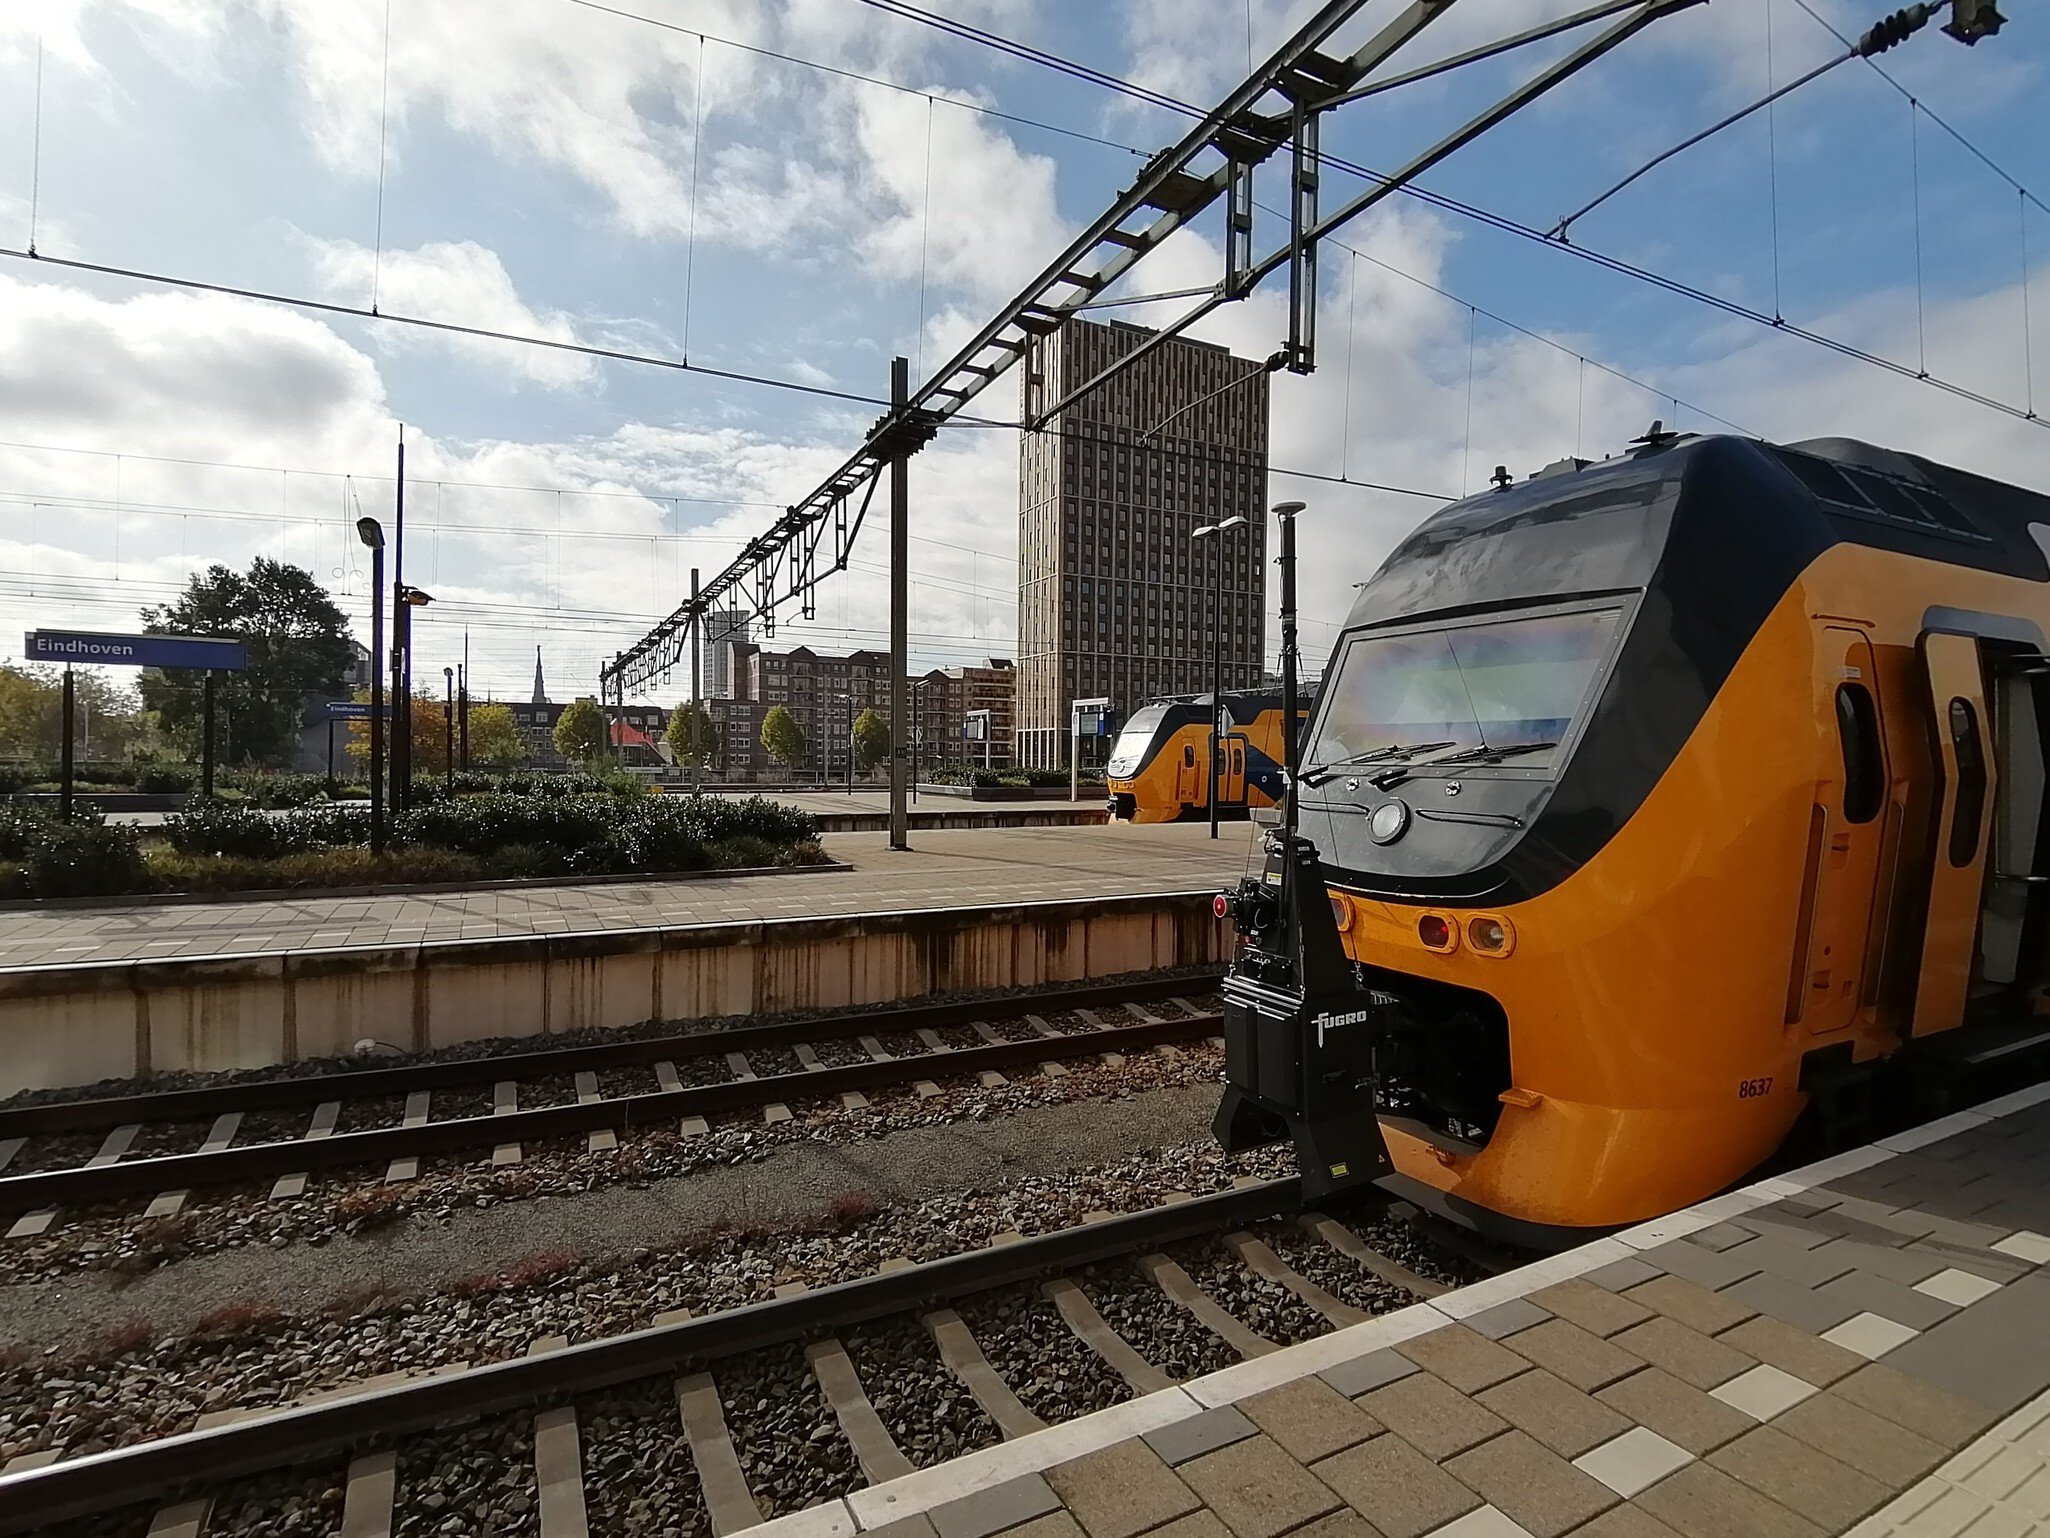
383, 160
485, 333
1488, 217
1956, 133
844, 73
697, 145
35, 153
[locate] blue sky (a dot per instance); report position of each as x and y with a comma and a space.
544, 171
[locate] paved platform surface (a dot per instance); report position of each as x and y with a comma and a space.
943, 869
1861, 1347
864, 801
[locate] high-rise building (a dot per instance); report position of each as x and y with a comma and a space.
1116, 599
725, 629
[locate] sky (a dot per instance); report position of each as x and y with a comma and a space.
799, 189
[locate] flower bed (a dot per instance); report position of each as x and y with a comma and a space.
494, 836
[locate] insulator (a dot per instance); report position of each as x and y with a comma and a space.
1892, 31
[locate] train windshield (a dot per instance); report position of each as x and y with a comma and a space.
1131, 743
1512, 687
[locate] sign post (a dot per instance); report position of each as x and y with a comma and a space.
1086, 718
64, 774
112, 649
348, 710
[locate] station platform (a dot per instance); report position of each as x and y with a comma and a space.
945, 868
1859, 1347
128, 991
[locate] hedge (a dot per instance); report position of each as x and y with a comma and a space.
225, 847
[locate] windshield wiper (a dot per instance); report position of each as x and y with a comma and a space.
1388, 779
1488, 755
1323, 772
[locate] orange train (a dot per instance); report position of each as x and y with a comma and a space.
1654, 812
1159, 770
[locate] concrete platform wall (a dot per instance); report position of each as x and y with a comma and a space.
79, 1024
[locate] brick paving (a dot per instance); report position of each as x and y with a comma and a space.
1859, 1348
943, 869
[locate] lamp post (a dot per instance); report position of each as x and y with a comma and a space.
405, 600
1217, 531
1291, 748
448, 730
371, 532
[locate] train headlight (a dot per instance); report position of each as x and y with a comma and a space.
1341, 912
1437, 933
1489, 935
1389, 821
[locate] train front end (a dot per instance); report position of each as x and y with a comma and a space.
1546, 807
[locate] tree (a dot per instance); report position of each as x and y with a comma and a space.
298, 644
430, 717
580, 734
495, 742
782, 738
693, 739
107, 717
871, 740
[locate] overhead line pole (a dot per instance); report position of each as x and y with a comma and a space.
900, 616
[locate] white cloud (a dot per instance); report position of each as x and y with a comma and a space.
460, 282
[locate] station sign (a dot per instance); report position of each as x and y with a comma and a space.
354, 710
1094, 718
135, 651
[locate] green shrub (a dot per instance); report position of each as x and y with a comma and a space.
276, 790
165, 779
518, 861
242, 832
81, 858
317, 868
18, 777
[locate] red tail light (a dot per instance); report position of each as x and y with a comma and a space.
1221, 906
1434, 931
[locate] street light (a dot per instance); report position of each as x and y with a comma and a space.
405, 600
448, 729
1291, 747
1235, 521
371, 532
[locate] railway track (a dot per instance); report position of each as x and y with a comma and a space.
344, 1454
124, 1147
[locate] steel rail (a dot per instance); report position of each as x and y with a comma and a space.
147, 1471
207, 1101
256, 1161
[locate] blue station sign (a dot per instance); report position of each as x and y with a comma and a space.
353, 710
136, 651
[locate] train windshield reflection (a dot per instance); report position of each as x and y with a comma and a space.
1503, 685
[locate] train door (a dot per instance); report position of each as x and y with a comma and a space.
1846, 836
1188, 779
1232, 790
2017, 877
1969, 769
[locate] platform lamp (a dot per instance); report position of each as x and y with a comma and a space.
1208, 531
371, 532
406, 599
448, 729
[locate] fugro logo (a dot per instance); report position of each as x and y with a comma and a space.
1326, 1021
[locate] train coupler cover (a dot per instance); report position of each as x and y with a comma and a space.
1299, 1032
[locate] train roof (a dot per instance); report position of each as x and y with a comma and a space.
1606, 525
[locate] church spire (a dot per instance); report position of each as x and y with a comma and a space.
540, 687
